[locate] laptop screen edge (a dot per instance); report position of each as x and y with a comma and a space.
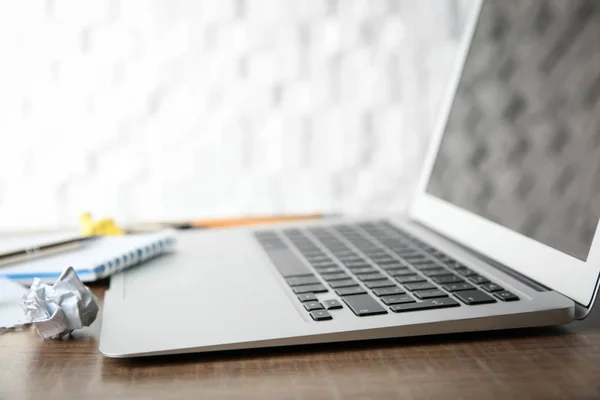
518, 252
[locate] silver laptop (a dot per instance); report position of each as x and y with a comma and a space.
502, 231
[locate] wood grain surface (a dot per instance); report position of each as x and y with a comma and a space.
559, 362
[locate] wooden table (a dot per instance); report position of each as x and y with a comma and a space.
558, 362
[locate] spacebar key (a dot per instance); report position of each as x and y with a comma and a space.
363, 305
425, 305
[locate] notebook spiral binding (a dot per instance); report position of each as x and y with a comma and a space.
164, 242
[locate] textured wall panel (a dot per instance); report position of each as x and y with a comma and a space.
166, 109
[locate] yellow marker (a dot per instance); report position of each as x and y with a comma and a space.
102, 227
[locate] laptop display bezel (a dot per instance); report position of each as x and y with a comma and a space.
559, 271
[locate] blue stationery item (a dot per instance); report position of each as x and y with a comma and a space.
95, 259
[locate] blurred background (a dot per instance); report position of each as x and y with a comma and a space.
151, 110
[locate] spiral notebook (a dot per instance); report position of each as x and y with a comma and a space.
95, 259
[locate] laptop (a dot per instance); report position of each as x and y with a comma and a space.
501, 232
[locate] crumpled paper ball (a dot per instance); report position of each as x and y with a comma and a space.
58, 310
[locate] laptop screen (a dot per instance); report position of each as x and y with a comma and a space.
522, 144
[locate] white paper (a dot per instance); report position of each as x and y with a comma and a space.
14, 243
11, 313
58, 310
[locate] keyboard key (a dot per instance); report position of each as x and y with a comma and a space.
375, 255
437, 252
307, 297
323, 263
442, 257
370, 277
326, 264
337, 276
416, 258
364, 245
376, 252
464, 271
474, 297
396, 265
478, 279
312, 305
398, 299
363, 305
506, 296
320, 315
341, 252
352, 259
318, 259
313, 253
390, 265
384, 260
453, 264
442, 280
400, 272
398, 247
303, 241
331, 304
364, 270
492, 287
302, 280
436, 272
419, 286
408, 253
426, 265
329, 270
341, 284
288, 264
430, 294
379, 284
310, 288
356, 264
379, 255
455, 287
350, 291
425, 305
388, 291
410, 279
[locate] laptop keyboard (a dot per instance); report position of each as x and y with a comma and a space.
374, 267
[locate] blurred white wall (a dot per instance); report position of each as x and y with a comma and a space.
146, 110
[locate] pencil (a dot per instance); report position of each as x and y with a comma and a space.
229, 222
